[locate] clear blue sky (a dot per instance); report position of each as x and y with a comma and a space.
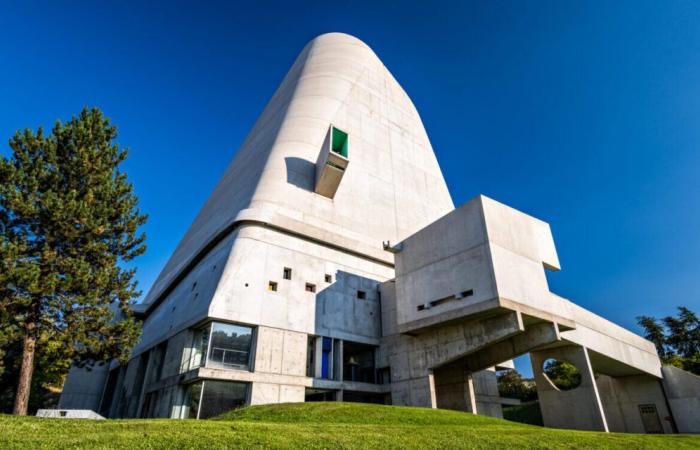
585, 114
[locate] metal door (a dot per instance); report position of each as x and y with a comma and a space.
650, 419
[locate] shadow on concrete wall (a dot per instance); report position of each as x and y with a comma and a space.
300, 173
339, 311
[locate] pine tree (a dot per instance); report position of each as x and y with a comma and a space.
677, 339
654, 332
69, 222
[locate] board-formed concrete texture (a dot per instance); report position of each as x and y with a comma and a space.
330, 263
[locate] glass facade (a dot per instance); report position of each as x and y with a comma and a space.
200, 343
222, 346
210, 398
230, 346
358, 362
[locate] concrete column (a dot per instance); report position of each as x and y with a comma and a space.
338, 357
318, 355
433, 394
454, 388
579, 408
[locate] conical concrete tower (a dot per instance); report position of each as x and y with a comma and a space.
289, 244
282, 289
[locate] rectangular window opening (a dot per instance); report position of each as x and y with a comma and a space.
272, 286
358, 362
287, 273
328, 278
339, 142
362, 295
311, 356
440, 301
310, 287
210, 398
230, 346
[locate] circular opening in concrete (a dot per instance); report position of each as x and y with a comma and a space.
562, 374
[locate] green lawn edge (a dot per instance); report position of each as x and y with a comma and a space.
317, 426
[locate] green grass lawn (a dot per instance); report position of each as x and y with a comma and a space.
316, 425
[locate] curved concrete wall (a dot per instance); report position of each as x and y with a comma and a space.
392, 187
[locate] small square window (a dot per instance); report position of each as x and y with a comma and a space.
361, 295
310, 287
329, 278
272, 286
287, 273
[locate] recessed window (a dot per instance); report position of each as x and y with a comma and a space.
339, 142
287, 273
361, 295
210, 398
328, 278
310, 287
230, 346
272, 286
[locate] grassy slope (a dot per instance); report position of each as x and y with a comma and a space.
316, 425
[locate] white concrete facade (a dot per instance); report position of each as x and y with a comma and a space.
283, 289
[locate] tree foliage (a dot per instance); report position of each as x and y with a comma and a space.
69, 222
562, 374
677, 339
512, 385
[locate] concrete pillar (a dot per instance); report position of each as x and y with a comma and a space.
454, 388
318, 355
433, 394
488, 400
338, 357
579, 408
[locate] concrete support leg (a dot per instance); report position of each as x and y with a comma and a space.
579, 408
454, 389
318, 354
338, 357
634, 404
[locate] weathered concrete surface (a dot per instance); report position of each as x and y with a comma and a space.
393, 177
622, 397
83, 389
683, 393
580, 408
461, 292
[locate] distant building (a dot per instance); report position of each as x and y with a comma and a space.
330, 264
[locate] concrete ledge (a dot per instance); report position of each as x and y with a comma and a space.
69, 414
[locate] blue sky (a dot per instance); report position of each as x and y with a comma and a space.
582, 113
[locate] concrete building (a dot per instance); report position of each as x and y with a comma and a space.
330, 264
